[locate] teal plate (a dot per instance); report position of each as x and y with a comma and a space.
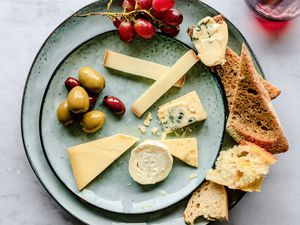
71, 33
114, 189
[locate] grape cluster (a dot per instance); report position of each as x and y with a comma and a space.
144, 17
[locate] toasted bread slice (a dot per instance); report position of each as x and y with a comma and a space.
252, 116
210, 201
242, 167
228, 73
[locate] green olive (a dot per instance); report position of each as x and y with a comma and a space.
78, 100
92, 121
91, 79
63, 113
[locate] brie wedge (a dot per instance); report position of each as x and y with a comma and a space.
150, 162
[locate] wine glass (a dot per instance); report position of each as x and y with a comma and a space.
276, 10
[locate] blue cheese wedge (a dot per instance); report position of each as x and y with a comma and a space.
181, 112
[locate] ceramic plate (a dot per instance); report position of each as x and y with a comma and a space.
57, 47
114, 189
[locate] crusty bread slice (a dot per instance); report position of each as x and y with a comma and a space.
252, 116
210, 201
229, 71
242, 167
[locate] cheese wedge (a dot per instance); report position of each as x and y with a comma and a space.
90, 159
137, 66
164, 83
184, 149
181, 112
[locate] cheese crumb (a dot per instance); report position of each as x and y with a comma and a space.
128, 184
155, 131
193, 175
142, 128
148, 119
162, 192
163, 136
147, 206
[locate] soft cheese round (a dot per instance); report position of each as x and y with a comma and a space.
150, 162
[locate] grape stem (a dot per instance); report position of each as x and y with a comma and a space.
109, 5
112, 15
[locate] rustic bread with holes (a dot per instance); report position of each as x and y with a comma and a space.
210, 201
252, 116
242, 167
228, 72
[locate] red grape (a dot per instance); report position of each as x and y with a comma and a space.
144, 28
170, 31
117, 21
155, 14
162, 5
172, 17
144, 4
126, 31
128, 5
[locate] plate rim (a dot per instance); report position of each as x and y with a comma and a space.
220, 88
35, 171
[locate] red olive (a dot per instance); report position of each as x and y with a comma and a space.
92, 100
114, 104
71, 82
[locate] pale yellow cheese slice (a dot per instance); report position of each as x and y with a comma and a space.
184, 149
90, 159
164, 83
137, 66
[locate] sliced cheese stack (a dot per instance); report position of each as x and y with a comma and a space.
181, 112
90, 159
164, 83
137, 66
184, 149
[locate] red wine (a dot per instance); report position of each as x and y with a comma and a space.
276, 9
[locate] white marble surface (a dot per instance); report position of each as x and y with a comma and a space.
25, 24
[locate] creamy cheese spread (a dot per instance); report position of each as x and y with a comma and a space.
210, 39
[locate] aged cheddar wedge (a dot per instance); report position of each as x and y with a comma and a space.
90, 159
181, 112
164, 83
137, 66
184, 149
